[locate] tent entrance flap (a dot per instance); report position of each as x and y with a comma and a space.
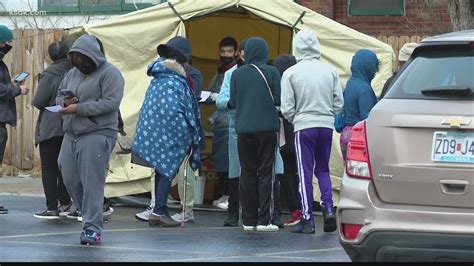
206, 32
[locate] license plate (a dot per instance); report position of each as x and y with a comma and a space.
453, 147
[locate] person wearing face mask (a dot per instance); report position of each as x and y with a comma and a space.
9, 89
90, 93
228, 55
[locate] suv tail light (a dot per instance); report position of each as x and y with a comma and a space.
350, 231
357, 162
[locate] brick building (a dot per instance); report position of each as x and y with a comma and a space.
386, 17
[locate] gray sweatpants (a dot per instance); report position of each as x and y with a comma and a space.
83, 163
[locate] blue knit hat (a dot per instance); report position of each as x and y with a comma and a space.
5, 34
178, 47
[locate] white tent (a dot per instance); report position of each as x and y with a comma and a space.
130, 43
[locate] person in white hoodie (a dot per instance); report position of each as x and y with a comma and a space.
310, 99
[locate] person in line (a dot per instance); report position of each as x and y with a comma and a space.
220, 121
91, 94
256, 124
194, 80
168, 129
359, 97
234, 165
49, 133
9, 90
289, 180
311, 98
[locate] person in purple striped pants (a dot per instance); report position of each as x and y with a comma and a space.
311, 97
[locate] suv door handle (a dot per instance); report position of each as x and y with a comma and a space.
454, 187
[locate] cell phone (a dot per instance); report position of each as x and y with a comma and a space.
20, 78
67, 93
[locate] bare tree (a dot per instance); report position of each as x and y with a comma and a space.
461, 13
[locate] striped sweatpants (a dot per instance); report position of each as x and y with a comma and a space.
313, 149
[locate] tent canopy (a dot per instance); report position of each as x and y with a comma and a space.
130, 43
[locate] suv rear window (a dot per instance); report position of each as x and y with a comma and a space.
450, 69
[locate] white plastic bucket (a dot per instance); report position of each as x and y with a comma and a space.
199, 189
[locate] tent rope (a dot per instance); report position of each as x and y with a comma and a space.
298, 20
176, 12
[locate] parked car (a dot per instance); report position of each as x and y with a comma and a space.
408, 190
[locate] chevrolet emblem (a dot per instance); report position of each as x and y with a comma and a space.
456, 122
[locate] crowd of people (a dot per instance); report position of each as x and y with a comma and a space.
272, 129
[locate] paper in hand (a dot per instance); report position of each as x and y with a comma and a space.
54, 108
204, 95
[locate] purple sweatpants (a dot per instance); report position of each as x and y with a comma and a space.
313, 149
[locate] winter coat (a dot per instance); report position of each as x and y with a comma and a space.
311, 90
359, 97
249, 95
49, 124
169, 122
8, 92
221, 102
99, 93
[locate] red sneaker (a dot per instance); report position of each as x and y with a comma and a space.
295, 218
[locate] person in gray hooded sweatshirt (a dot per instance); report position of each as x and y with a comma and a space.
91, 94
49, 133
311, 97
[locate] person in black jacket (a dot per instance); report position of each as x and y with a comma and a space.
9, 89
256, 124
289, 180
49, 133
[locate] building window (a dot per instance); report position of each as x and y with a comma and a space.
376, 7
94, 6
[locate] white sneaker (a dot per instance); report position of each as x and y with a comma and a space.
144, 215
267, 228
108, 212
178, 217
248, 227
223, 205
219, 200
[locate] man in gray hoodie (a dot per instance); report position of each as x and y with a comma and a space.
311, 97
91, 94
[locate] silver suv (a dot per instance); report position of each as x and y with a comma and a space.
408, 190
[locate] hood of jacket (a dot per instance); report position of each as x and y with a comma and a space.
307, 45
283, 62
256, 51
88, 46
364, 65
166, 66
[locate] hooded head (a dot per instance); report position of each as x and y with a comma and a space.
256, 51
283, 62
307, 45
406, 51
178, 48
364, 64
58, 50
85, 54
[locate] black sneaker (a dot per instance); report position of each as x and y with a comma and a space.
304, 226
329, 218
74, 215
277, 221
64, 209
232, 220
48, 215
3, 210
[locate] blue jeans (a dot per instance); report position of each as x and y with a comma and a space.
162, 189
